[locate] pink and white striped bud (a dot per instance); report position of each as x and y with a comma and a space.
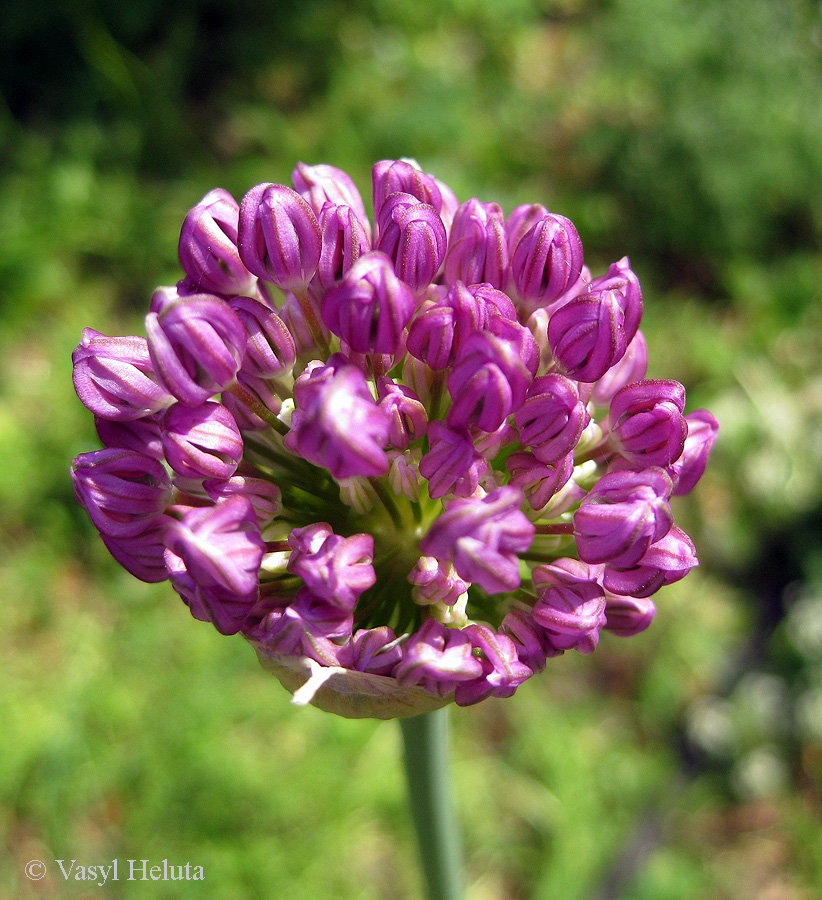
646, 422
370, 307
269, 349
202, 441
435, 582
552, 418
196, 344
502, 670
452, 465
279, 236
477, 247
482, 537
412, 235
124, 492
622, 515
437, 658
336, 423
221, 550
344, 241
546, 262
324, 184
409, 418
114, 377
208, 247
570, 605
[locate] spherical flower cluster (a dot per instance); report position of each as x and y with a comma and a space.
409, 459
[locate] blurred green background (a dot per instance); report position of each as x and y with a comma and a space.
684, 764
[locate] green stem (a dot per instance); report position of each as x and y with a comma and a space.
425, 738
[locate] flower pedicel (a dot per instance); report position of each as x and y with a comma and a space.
408, 459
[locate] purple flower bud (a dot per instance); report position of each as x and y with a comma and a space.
437, 658
627, 616
440, 329
491, 377
546, 261
208, 246
337, 571
279, 236
202, 441
344, 241
403, 176
482, 537
269, 348
409, 419
144, 554
590, 333
114, 377
123, 491
374, 650
493, 303
623, 514
537, 480
667, 560
435, 582
248, 398
530, 639
503, 672
196, 344
403, 473
452, 465
327, 184
646, 421
552, 418
413, 237
521, 220
632, 367
285, 632
688, 469
477, 247
221, 549
139, 435
294, 316
337, 423
265, 496
570, 605
370, 307
322, 616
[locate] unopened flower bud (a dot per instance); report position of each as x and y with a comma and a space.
482, 537
196, 344
208, 246
122, 491
688, 469
477, 248
413, 237
370, 307
546, 261
221, 549
622, 515
114, 377
202, 441
646, 421
323, 184
570, 605
279, 236
344, 241
337, 423
552, 418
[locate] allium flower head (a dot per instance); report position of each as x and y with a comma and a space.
409, 460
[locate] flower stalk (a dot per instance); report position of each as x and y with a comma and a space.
426, 756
